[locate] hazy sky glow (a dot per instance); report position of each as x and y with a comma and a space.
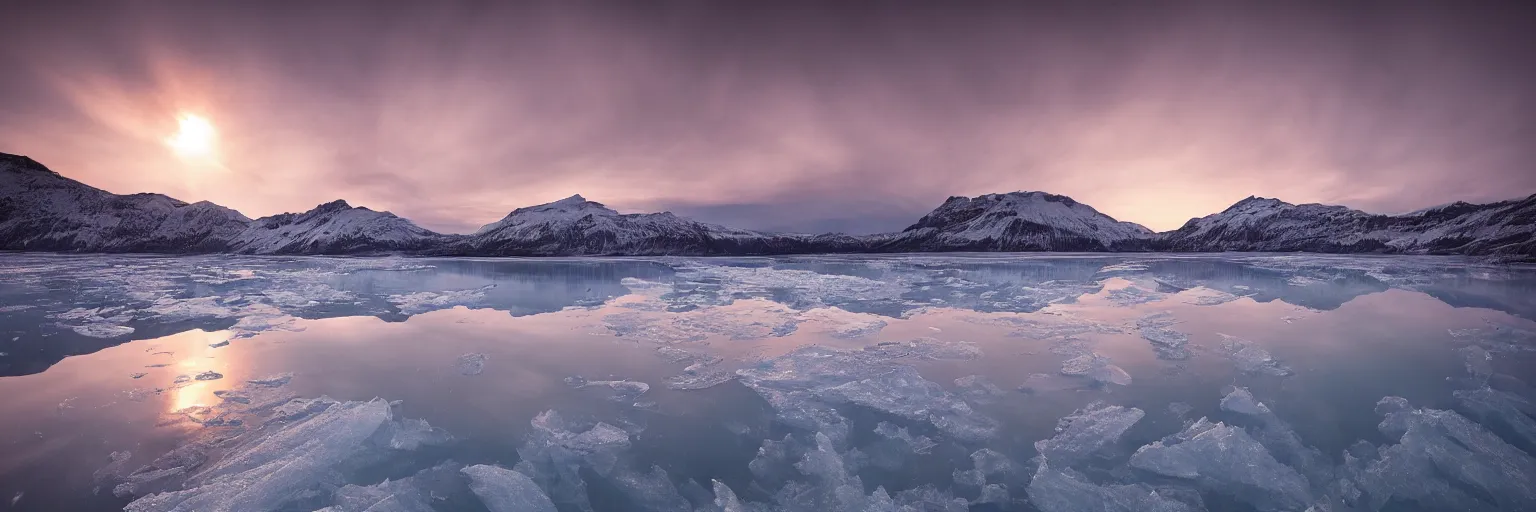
778, 115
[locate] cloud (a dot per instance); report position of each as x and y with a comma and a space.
783, 115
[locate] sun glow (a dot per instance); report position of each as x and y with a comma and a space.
195, 139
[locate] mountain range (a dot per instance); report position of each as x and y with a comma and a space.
41, 210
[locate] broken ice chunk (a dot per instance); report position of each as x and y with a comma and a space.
1251, 358
969, 477
1095, 367
113, 471
1281, 440
504, 490
1168, 343
978, 389
1446, 462
1132, 296
1086, 431
650, 491
209, 375
138, 374
1479, 363
802, 385
622, 391
1065, 490
102, 330
993, 493
1497, 338
470, 364
272, 380
266, 471
1226, 460
1505, 414
990, 462
920, 445
726, 500
414, 493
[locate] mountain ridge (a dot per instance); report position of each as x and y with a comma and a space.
42, 210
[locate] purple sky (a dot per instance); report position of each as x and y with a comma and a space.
804, 116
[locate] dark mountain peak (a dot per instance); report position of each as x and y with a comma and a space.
21, 163
1256, 202
333, 206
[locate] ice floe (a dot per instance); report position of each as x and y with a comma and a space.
505, 490
1087, 431
1251, 358
1224, 459
1167, 342
1443, 461
1064, 490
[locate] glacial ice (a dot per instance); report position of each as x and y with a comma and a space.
1224, 459
1086, 431
505, 490
1251, 358
1168, 343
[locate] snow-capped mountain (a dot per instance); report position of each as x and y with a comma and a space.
1263, 224
1016, 221
43, 211
576, 226
334, 228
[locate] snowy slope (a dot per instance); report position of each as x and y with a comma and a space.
41, 210
1016, 221
576, 226
1262, 224
334, 228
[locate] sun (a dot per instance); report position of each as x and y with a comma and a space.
195, 139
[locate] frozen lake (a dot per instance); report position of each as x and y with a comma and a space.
916, 382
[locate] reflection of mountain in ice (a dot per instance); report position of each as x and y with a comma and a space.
80, 302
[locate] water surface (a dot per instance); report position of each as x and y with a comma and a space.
756, 372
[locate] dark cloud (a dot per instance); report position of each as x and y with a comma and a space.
785, 115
